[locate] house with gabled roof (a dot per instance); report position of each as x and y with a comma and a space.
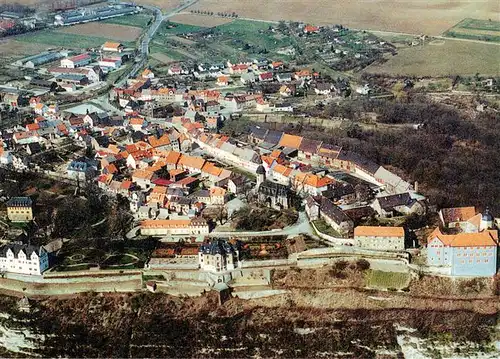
257, 134
308, 149
311, 184
380, 238
192, 164
402, 203
462, 218
392, 182
290, 141
321, 207
143, 178
281, 173
327, 153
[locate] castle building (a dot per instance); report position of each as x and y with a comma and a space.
464, 254
23, 259
218, 256
19, 209
470, 248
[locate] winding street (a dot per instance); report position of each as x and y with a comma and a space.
142, 57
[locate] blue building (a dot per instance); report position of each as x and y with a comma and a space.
464, 254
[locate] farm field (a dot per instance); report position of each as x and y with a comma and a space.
108, 31
165, 5
163, 58
17, 49
136, 20
199, 20
445, 57
174, 28
62, 39
410, 16
474, 29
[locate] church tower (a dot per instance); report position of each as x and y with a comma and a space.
261, 175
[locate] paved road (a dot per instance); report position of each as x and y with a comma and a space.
302, 226
142, 57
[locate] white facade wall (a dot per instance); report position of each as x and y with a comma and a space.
385, 243
24, 264
189, 230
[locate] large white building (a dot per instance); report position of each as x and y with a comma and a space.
76, 61
218, 256
380, 238
23, 259
166, 227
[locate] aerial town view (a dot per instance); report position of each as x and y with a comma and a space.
250, 179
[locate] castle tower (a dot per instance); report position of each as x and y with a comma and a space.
261, 175
486, 220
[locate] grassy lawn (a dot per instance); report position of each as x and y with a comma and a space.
325, 228
20, 225
136, 20
172, 54
173, 28
254, 33
386, 280
61, 39
73, 268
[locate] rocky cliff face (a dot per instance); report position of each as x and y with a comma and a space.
156, 325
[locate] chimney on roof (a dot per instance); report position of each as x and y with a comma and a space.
415, 187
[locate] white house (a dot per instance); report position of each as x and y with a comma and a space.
110, 62
23, 259
380, 238
76, 61
110, 46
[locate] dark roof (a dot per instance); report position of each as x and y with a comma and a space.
175, 192
43, 83
274, 189
260, 170
19, 202
360, 212
311, 201
217, 246
202, 193
184, 201
258, 132
273, 137
332, 211
359, 161
322, 86
34, 147
395, 200
341, 191
238, 180
309, 146
17, 247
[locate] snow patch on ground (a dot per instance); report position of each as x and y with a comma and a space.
416, 348
20, 341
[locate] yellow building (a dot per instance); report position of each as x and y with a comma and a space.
19, 209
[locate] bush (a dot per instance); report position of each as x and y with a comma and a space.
362, 264
338, 268
475, 285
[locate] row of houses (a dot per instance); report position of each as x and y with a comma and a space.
319, 153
